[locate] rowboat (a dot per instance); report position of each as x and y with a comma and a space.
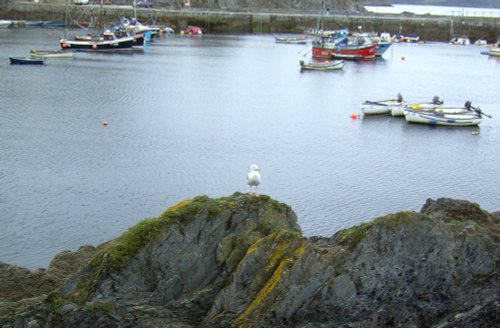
5, 23
25, 61
322, 66
494, 51
434, 103
291, 40
448, 116
34, 53
382, 106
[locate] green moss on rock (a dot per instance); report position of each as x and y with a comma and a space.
104, 307
116, 254
349, 238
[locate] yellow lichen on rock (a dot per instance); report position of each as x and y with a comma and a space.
282, 258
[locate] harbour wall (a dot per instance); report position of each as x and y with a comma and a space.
430, 28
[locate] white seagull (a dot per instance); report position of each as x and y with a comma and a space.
253, 178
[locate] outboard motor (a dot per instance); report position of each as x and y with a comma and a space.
467, 105
400, 98
437, 101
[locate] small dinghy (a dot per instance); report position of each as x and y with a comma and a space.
467, 115
382, 106
34, 53
26, 61
433, 104
322, 66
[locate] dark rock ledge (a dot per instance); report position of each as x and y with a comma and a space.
241, 261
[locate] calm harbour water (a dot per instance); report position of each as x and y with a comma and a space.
190, 115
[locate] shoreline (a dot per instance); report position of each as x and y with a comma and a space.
428, 27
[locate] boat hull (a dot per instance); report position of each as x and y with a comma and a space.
347, 52
322, 66
89, 45
382, 47
50, 54
25, 61
434, 118
494, 52
291, 40
381, 107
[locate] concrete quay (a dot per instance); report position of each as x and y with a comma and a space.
429, 28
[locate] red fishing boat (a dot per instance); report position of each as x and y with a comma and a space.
350, 47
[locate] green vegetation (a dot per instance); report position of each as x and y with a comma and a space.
105, 307
349, 238
116, 254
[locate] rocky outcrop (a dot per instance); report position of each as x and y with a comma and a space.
241, 261
22, 289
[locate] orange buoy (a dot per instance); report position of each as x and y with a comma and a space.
94, 46
105, 123
354, 116
64, 45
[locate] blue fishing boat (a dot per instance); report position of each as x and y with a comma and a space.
53, 24
382, 48
26, 61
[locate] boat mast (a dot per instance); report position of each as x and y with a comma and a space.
321, 20
100, 26
65, 34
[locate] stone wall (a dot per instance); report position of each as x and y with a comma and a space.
430, 28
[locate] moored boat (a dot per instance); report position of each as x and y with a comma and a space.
382, 106
291, 40
434, 103
448, 116
192, 30
351, 47
53, 24
460, 40
322, 66
34, 53
5, 23
107, 41
494, 51
25, 61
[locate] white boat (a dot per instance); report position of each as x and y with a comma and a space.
5, 23
51, 53
494, 51
382, 106
481, 42
435, 103
449, 116
291, 40
460, 40
322, 66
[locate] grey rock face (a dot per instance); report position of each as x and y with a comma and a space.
241, 261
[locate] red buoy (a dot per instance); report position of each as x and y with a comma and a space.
354, 116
